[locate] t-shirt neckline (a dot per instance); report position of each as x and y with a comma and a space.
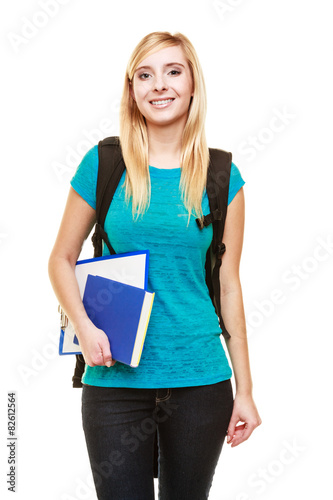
164, 172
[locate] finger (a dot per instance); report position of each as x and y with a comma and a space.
96, 359
107, 356
107, 359
232, 435
111, 362
242, 433
231, 429
237, 435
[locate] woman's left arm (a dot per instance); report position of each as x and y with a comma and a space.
234, 319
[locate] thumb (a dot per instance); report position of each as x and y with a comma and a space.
107, 356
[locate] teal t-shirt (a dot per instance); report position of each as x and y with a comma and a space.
183, 345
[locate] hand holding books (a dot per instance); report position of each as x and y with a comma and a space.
118, 306
95, 345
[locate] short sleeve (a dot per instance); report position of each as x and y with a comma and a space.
84, 180
236, 182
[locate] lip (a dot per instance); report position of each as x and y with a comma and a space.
162, 106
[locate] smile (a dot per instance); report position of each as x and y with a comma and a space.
161, 102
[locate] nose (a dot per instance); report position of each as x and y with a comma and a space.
160, 83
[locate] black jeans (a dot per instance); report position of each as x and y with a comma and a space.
120, 425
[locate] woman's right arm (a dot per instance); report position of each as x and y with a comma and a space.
77, 222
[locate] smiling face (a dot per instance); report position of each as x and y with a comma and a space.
162, 87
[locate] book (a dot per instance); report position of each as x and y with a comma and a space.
122, 311
130, 268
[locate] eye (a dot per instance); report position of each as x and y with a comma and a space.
144, 76
174, 72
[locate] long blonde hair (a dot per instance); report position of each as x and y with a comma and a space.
134, 136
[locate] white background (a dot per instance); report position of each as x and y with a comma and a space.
60, 82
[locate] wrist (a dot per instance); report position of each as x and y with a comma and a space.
244, 395
80, 325
244, 391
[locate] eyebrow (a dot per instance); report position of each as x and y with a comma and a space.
165, 65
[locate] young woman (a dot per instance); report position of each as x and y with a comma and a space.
182, 385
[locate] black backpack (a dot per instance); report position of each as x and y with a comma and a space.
110, 169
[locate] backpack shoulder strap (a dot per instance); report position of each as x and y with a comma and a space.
217, 187
110, 169
218, 190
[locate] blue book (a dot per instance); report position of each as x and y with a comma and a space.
122, 311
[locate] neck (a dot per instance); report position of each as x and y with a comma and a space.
164, 146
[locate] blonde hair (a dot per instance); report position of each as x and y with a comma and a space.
134, 137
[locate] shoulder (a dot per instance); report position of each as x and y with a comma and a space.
235, 172
84, 180
89, 160
91, 155
235, 183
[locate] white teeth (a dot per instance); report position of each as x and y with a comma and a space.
162, 102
